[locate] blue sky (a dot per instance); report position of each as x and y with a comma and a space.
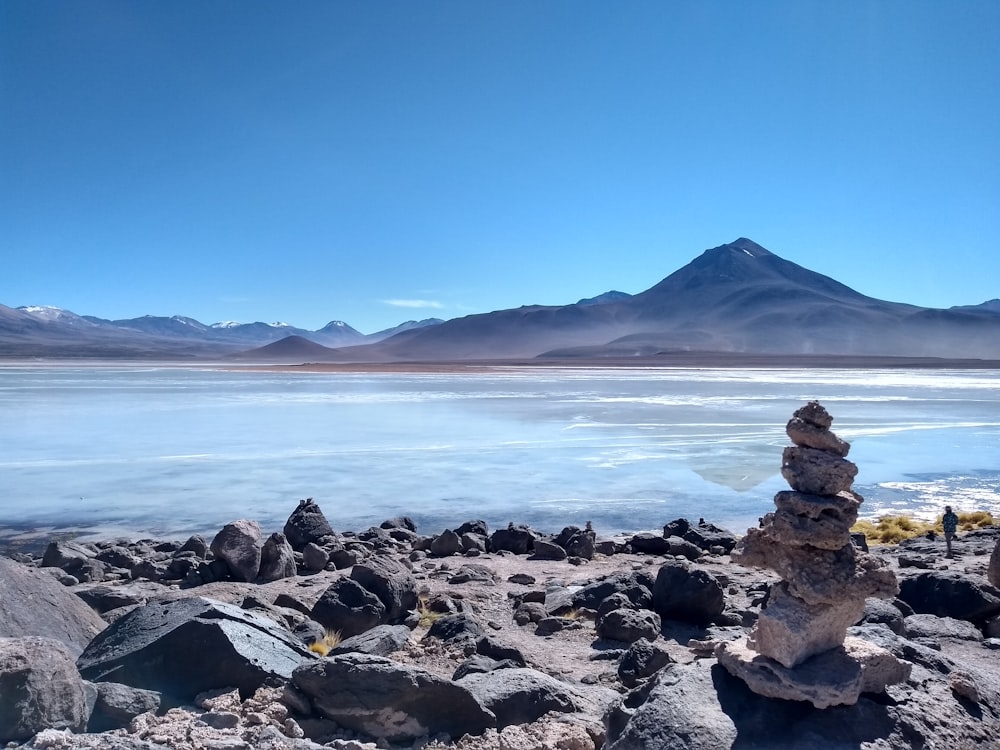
375, 162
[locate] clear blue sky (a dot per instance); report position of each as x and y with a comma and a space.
375, 162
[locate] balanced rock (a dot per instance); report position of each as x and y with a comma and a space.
797, 649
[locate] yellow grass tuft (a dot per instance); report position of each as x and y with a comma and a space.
894, 529
330, 640
427, 615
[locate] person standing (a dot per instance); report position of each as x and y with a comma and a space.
949, 521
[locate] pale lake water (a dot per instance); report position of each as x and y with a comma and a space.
166, 451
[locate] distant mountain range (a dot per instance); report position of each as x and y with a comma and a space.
735, 298
52, 332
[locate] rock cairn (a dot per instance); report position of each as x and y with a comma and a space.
799, 649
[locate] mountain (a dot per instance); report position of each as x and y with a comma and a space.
43, 331
738, 298
289, 349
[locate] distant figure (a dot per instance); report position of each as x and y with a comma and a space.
949, 521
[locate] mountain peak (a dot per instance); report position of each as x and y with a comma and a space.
745, 246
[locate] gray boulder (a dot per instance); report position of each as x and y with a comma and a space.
950, 594
934, 628
32, 602
446, 543
390, 701
118, 704
39, 688
683, 592
239, 545
391, 582
306, 524
548, 550
348, 608
277, 559
381, 640
184, 647
517, 539
642, 660
519, 696
993, 571
629, 625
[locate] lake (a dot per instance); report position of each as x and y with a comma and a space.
166, 451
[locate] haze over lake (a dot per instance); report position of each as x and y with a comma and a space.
168, 451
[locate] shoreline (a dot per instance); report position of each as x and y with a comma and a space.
671, 361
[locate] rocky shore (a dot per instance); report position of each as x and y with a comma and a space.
791, 635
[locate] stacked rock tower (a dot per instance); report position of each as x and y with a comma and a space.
799, 648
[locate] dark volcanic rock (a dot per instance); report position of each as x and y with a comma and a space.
381, 640
686, 593
118, 704
39, 688
642, 660
391, 582
185, 647
239, 544
306, 524
277, 559
949, 594
517, 539
348, 608
32, 602
519, 696
391, 701
629, 625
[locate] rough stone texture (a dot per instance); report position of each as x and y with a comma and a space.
39, 688
118, 704
314, 557
807, 435
642, 660
678, 709
239, 545
815, 414
391, 582
835, 677
379, 641
935, 628
950, 594
822, 521
306, 524
790, 631
815, 575
825, 580
817, 472
548, 550
348, 608
629, 625
517, 539
32, 602
886, 613
993, 571
683, 592
519, 696
390, 701
446, 543
277, 559
184, 647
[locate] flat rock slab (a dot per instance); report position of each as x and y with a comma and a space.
836, 677
32, 602
391, 701
185, 647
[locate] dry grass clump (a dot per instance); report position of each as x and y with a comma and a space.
330, 640
428, 616
894, 529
